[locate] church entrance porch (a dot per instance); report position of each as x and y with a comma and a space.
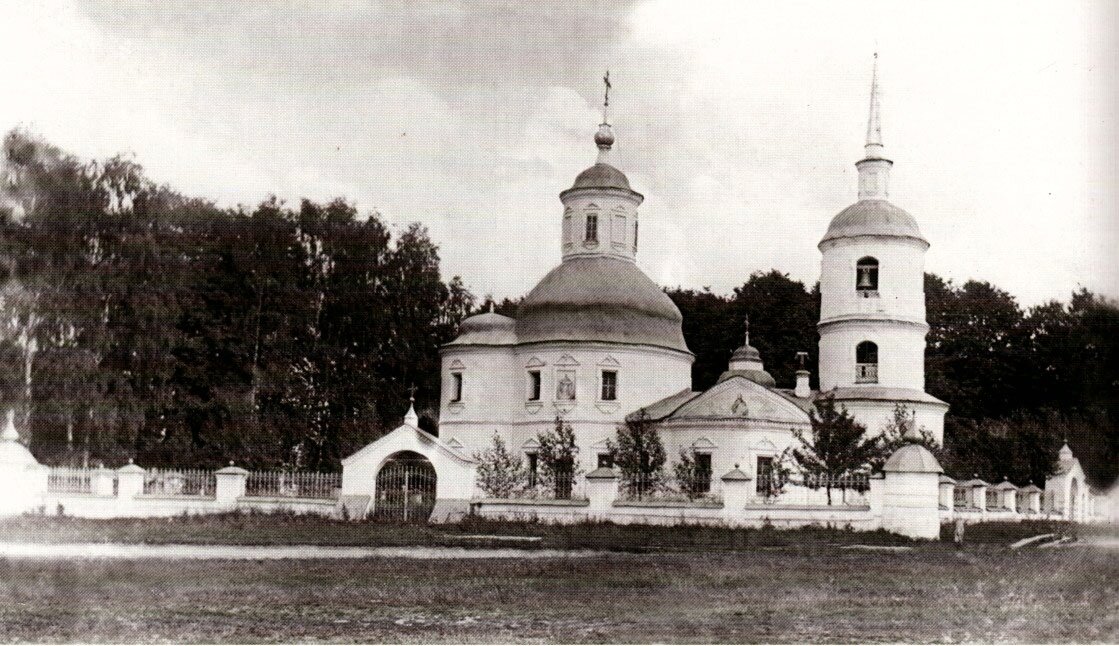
405, 488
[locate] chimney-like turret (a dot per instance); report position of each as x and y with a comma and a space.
802, 390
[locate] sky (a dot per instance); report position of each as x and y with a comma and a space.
740, 122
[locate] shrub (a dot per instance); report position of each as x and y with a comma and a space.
500, 473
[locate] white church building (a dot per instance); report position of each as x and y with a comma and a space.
597, 341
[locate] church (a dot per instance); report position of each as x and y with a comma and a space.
597, 342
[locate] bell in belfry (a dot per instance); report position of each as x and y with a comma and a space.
864, 279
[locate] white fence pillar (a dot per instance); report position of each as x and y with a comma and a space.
602, 491
230, 485
911, 492
1032, 502
737, 491
23, 481
101, 482
947, 493
130, 482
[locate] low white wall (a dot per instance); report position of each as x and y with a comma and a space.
679, 513
149, 506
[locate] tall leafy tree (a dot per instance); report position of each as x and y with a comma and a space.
836, 446
638, 453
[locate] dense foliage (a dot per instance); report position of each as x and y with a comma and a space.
559, 459
638, 454
139, 323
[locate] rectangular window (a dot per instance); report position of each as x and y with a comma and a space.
702, 473
456, 386
609, 385
765, 482
635, 235
533, 461
534, 385
592, 228
618, 231
605, 461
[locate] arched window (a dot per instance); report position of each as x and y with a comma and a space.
866, 277
866, 363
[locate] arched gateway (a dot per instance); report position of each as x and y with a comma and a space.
405, 488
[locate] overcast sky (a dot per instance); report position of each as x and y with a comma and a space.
740, 122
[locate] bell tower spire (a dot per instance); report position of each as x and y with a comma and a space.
874, 168
874, 121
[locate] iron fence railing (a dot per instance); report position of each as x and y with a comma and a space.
813, 489
553, 487
180, 482
286, 484
70, 480
698, 487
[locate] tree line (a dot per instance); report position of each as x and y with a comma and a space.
139, 323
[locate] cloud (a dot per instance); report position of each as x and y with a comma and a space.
740, 122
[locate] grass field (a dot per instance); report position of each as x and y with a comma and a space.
767, 587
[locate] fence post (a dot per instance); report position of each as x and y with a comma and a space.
130, 482
910, 493
101, 482
602, 491
736, 493
230, 485
948, 495
23, 481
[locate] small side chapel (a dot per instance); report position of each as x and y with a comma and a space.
597, 342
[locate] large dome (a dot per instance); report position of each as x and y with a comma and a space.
873, 218
600, 299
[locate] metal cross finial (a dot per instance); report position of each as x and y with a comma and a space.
746, 327
412, 393
606, 96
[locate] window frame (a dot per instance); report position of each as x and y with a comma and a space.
866, 371
532, 467
535, 385
602, 385
590, 228
456, 387
703, 486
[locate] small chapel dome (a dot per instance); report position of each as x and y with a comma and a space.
747, 362
603, 299
486, 329
873, 218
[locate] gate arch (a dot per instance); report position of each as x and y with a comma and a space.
405, 488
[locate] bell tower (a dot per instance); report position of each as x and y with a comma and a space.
872, 310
